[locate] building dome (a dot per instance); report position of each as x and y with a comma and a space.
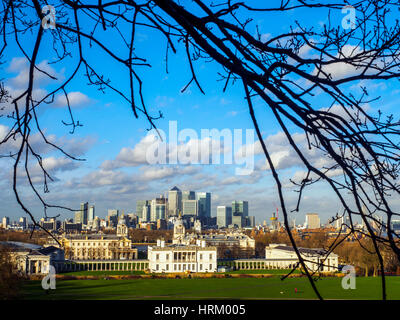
122, 229
179, 231
121, 219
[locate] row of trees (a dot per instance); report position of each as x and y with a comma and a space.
234, 252
9, 281
142, 235
39, 237
361, 254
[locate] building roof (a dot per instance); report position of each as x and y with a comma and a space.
183, 247
20, 246
49, 250
175, 189
35, 253
317, 251
92, 237
33, 250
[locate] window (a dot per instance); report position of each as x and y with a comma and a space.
210, 256
157, 267
210, 266
157, 256
201, 256
167, 257
201, 267
174, 267
167, 267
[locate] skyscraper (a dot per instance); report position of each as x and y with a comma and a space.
252, 221
84, 210
139, 206
204, 205
224, 216
240, 208
158, 209
78, 217
313, 221
238, 221
91, 215
146, 210
112, 217
23, 223
190, 208
240, 213
6, 222
174, 201
188, 195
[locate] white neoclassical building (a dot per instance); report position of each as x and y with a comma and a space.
281, 256
29, 260
98, 247
95, 247
182, 256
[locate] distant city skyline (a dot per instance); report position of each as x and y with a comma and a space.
103, 213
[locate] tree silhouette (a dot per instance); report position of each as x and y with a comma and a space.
362, 150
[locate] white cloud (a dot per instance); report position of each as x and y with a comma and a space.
340, 70
7, 108
283, 154
17, 64
194, 151
52, 166
128, 157
102, 178
73, 146
346, 112
75, 99
20, 66
156, 173
264, 37
151, 173
58, 164
304, 50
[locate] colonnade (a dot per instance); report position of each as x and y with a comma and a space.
101, 265
37, 266
257, 264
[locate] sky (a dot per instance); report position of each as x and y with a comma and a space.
113, 143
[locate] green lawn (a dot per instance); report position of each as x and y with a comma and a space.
264, 271
120, 272
212, 288
101, 273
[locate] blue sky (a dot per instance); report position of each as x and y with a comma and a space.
109, 127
